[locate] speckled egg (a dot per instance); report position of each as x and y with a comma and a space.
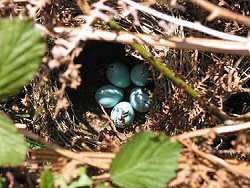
109, 95
140, 75
123, 114
140, 99
118, 75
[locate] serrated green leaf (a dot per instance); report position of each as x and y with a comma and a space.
146, 161
20, 56
13, 147
47, 179
81, 181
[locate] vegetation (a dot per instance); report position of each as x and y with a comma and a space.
53, 59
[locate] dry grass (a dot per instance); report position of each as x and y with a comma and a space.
211, 160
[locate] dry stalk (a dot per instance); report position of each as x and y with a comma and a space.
216, 160
191, 25
191, 43
112, 125
95, 13
217, 11
217, 130
100, 160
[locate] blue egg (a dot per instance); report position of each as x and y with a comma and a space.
108, 96
140, 75
140, 99
123, 114
118, 75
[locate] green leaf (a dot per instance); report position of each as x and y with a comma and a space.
21, 54
146, 161
12, 144
23, 115
2, 182
82, 180
34, 145
47, 179
103, 186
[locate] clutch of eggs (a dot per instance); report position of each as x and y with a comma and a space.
109, 95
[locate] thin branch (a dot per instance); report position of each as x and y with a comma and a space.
179, 81
112, 124
84, 6
89, 158
191, 25
223, 13
217, 130
191, 43
182, 84
216, 160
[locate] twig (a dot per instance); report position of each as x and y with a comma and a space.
112, 125
217, 11
191, 25
217, 130
84, 6
181, 83
107, 116
191, 43
216, 160
100, 160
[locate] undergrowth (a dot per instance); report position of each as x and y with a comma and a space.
195, 135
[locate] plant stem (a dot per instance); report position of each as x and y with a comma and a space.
175, 78
179, 82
